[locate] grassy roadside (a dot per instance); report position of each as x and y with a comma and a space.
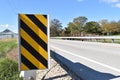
8, 67
116, 41
6, 46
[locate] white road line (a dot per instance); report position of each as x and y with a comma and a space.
90, 60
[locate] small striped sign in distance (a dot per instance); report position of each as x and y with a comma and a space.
33, 47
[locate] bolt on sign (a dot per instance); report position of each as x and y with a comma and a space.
33, 41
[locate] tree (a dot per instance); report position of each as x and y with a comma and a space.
81, 19
76, 27
114, 27
55, 28
66, 32
111, 28
79, 22
73, 28
104, 25
118, 26
92, 27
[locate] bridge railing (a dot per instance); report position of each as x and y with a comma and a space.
97, 39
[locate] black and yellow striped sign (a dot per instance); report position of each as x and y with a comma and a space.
33, 30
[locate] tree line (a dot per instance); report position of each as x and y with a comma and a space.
80, 26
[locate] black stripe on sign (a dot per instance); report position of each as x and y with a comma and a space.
33, 52
45, 16
38, 23
33, 35
27, 63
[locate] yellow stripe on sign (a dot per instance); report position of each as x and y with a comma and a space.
33, 43
24, 67
31, 58
37, 30
42, 19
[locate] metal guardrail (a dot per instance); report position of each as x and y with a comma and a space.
112, 38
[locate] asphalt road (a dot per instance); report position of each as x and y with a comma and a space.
89, 60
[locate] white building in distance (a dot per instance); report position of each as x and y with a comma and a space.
6, 34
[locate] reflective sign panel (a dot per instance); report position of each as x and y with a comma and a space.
33, 32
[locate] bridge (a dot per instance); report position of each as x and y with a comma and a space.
88, 60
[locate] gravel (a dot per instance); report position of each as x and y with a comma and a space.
56, 72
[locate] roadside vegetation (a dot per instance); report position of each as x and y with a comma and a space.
80, 26
106, 40
6, 46
8, 67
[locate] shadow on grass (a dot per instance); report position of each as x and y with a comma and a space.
81, 71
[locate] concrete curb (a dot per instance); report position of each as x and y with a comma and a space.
73, 74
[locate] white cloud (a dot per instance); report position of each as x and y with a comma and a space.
80, 0
113, 3
117, 5
6, 26
110, 1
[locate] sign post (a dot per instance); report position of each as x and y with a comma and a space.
33, 43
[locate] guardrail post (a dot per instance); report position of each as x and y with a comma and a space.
91, 40
113, 41
96, 40
104, 40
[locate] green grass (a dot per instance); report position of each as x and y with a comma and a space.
117, 41
8, 69
109, 41
6, 46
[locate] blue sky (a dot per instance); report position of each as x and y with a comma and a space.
63, 10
